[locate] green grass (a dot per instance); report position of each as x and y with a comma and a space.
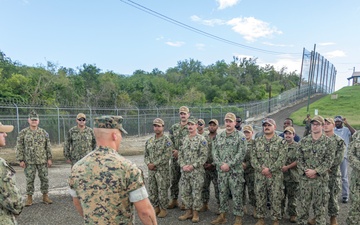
347, 105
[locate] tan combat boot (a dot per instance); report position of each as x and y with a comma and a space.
204, 208
333, 220
260, 222
157, 210
312, 221
46, 199
188, 215
162, 213
238, 220
195, 218
221, 219
29, 200
173, 204
182, 207
292, 219
254, 215
276, 222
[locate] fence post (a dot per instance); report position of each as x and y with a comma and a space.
58, 117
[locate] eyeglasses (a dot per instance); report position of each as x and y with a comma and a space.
82, 119
34, 119
315, 124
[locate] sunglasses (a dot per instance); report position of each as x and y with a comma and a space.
238, 121
82, 119
34, 119
200, 124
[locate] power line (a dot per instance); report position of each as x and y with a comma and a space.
193, 29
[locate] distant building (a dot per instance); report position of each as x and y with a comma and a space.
355, 77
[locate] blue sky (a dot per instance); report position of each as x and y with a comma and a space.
116, 36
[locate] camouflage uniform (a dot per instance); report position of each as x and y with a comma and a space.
270, 154
230, 149
33, 147
317, 155
103, 180
354, 159
177, 135
335, 176
249, 175
192, 152
291, 180
79, 143
158, 152
210, 174
10, 198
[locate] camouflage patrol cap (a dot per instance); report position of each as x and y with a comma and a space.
248, 128
230, 116
330, 120
319, 119
289, 129
192, 120
184, 109
6, 128
269, 121
159, 122
81, 115
201, 121
33, 115
214, 121
109, 122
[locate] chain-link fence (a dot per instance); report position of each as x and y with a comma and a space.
137, 121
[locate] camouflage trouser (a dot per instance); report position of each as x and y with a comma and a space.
249, 186
30, 172
8, 219
231, 182
291, 192
191, 184
272, 187
210, 176
334, 191
175, 175
354, 212
313, 191
159, 183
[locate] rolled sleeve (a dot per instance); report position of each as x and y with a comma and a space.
138, 194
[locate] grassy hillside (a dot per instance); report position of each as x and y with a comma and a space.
347, 105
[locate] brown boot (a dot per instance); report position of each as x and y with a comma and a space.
292, 219
188, 215
333, 220
221, 219
182, 207
238, 220
173, 204
254, 215
195, 218
276, 222
157, 210
46, 199
162, 213
204, 208
29, 200
260, 222
312, 221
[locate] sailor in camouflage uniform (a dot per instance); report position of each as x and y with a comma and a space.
104, 185
267, 158
210, 169
249, 173
157, 157
192, 156
354, 160
315, 158
291, 174
229, 152
177, 133
334, 172
33, 150
80, 141
11, 202
201, 127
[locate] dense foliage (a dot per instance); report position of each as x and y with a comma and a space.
189, 82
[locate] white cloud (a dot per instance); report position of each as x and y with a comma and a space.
334, 54
326, 43
175, 44
211, 23
200, 46
226, 3
277, 45
251, 28
284, 61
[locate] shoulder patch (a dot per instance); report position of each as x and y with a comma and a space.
168, 144
243, 138
204, 143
